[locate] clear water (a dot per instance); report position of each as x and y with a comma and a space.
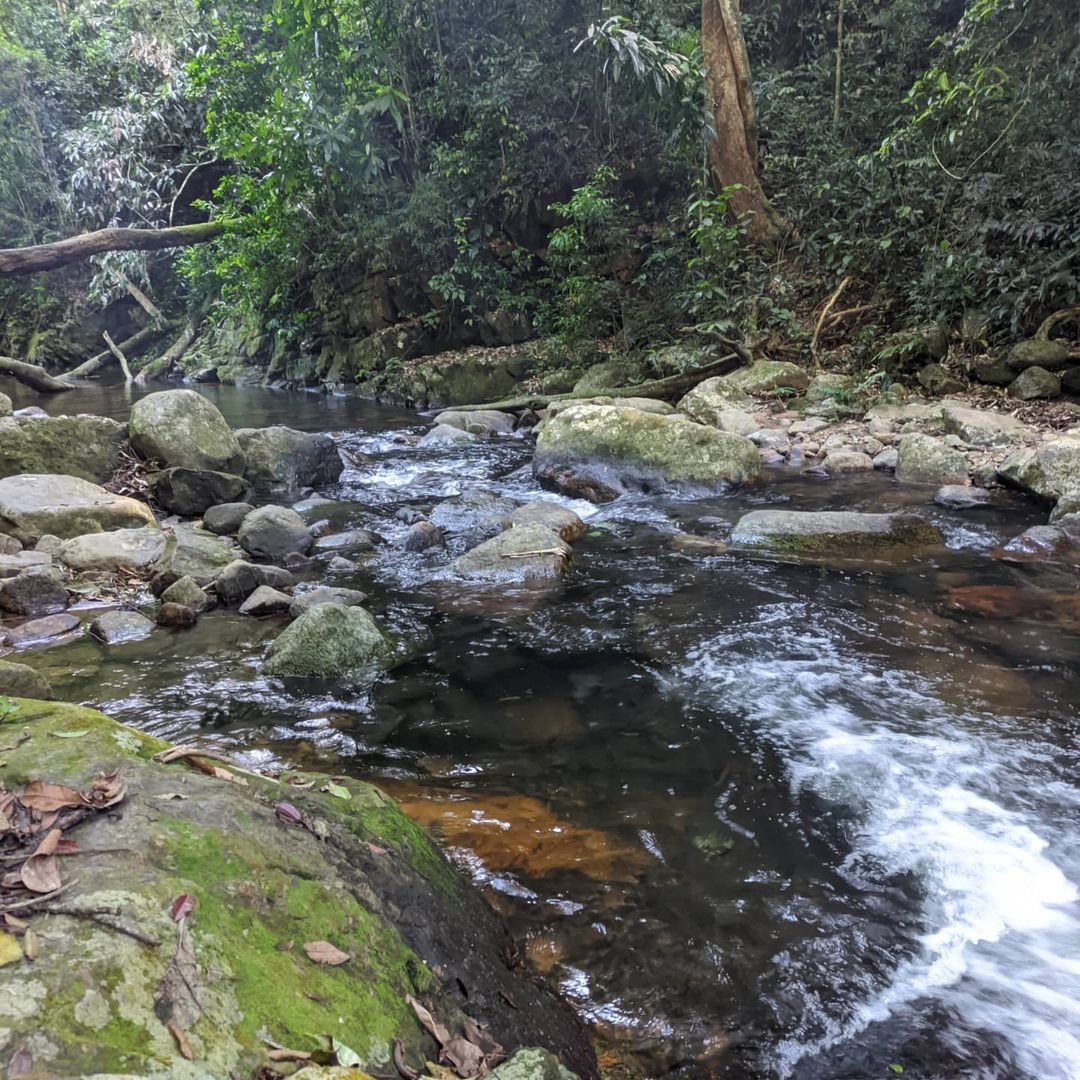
755, 820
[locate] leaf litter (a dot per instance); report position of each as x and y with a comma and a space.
473, 1053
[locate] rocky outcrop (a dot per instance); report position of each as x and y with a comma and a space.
832, 533
924, 459
190, 492
32, 505
181, 428
525, 553
279, 458
328, 641
88, 447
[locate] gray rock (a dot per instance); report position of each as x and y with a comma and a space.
328, 641
445, 435
844, 460
524, 553
193, 553
475, 513
226, 518
176, 616
1050, 471
1034, 384
270, 532
324, 594
9, 545
281, 458
88, 447
182, 428
36, 591
37, 630
923, 459
10, 565
240, 579
936, 380
609, 374
116, 627
188, 592
813, 425
649, 405
1049, 355
980, 427
479, 421
533, 1063
824, 534
766, 376
961, 497
130, 549
32, 505
266, 601
347, 540
189, 492
49, 545
22, 681
992, 372
422, 535
707, 401
340, 565
5, 405
559, 519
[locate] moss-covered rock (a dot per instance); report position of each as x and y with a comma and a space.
328, 641
924, 459
359, 876
1051, 471
528, 552
466, 378
279, 457
609, 374
710, 399
180, 427
766, 376
21, 680
84, 446
1035, 352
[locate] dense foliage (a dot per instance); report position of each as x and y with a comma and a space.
494, 160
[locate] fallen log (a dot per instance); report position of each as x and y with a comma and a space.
37, 378
164, 364
660, 389
130, 346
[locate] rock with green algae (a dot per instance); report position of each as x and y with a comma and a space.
328, 641
88, 447
180, 427
362, 877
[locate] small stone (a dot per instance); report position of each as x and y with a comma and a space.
22, 681
340, 565
176, 615
322, 527
295, 561
9, 545
116, 627
887, 459
961, 497
49, 545
324, 594
954, 441
878, 426
265, 601
51, 626
844, 461
36, 591
1034, 384
187, 592
226, 518
873, 447
423, 535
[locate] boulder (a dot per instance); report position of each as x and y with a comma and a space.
130, 549
559, 519
176, 615
36, 591
938, 381
445, 435
528, 553
980, 427
32, 505
328, 641
182, 428
609, 374
1049, 471
475, 514
266, 601
886, 460
346, 540
22, 681
49, 545
828, 533
709, 399
767, 376
192, 553
992, 371
281, 458
271, 532
1034, 384
324, 594
226, 519
88, 447
1059, 543
240, 579
116, 627
190, 492
651, 405
1049, 355
961, 497
479, 421
9, 545
467, 378
188, 592
923, 459
422, 535
846, 460
10, 565
38, 630
736, 421
626, 447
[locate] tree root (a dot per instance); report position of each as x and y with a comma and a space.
1048, 324
829, 305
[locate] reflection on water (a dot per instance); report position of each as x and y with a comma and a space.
755, 820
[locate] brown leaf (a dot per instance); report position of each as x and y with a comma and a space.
42, 796
402, 1066
182, 1043
31, 945
478, 1034
41, 872
287, 812
107, 790
224, 774
430, 1024
21, 1064
284, 1054
322, 952
182, 907
14, 922
177, 998
467, 1058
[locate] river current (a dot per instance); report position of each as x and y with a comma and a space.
753, 819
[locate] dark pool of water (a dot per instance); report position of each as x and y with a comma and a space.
754, 819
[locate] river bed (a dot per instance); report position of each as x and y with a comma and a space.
753, 819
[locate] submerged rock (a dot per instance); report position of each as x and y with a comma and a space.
475, 513
446, 435
88, 447
324, 594
128, 549
22, 681
190, 492
479, 421
328, 641
116, 627
529, 552
923, 459
32, 505
36, 630
824, 534
281, 458
38, 590
180, 427
271, 532
226, 518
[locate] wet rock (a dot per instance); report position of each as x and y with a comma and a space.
475, 513
88, 447
924, 459
187, 592
116, 627
961, 497
313, 503
328, 641
765, 376
1036, 353
422, 535
271, 532
266, 601
226, 518
347, 540
22, 681
559, 519
1034, 384
626, 447
479, 421
176, 616
340, 565
37, 630
581, 482
980, 427
1053, 542
1067, 506
190, 492
936, 380
36, 591
193, 553
847, 460
281, 458
527, 553
10, 565
32, 505
182, 428
129, 549
699, 545
324, 594
240, 579
297, 563
32, 410
445, 435
707, 401
1050, 471
408, 515
825, 534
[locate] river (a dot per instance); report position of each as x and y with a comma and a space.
755, 820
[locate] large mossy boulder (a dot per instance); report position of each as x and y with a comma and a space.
624, 448
34, 505
272, 871
182, 428
88, 447
328, 641
827, 534
768, 376
711, 399
1050, 471
281, 458
609, 374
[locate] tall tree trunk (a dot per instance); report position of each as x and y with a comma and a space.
733, 152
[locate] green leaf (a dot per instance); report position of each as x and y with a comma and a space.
339, 791
70, 734
346, 1056
896, 1068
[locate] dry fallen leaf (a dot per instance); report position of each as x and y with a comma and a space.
224, 774
10, 951
430, 1024
41, 872
322, 952
182, 907
31, 945
284, 1054
182, 1043
402, 1066
466, 1058
42, 796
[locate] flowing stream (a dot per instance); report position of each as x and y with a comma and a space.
755, 820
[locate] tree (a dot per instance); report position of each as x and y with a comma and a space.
733, 150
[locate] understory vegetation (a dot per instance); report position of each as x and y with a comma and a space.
422, 174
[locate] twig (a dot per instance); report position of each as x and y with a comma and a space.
68, 854
839, 316
107, 917
529, 554
174, 753
824, 312
120, 357
35, 901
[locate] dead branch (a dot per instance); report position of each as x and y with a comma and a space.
130, 346
121, 359
170, 357
37, 378
824, 313
1048, 324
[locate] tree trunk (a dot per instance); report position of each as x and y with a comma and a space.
733, 150
31, 375
31, 260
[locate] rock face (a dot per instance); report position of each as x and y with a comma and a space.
84, 446
363, 878
271, 532
129, 549
22, 681
1034, 384
281, 458
525, 553
823, 534
182, 428
328, 641
38, 590
923, 459
32, 505
189, 492
1051, 471
626, 447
